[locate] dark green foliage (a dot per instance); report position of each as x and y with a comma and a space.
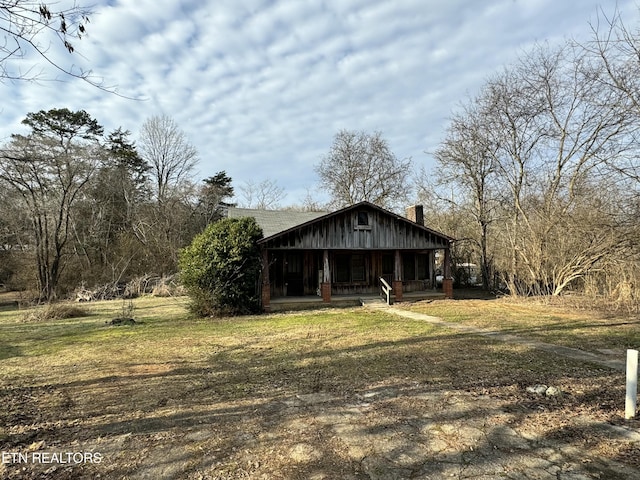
64, 124
212, 197
221, 268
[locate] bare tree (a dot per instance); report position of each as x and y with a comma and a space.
616, 47
49, 170
466, 164
263, 195
14, 235
30, 27
527, 156
171, 219
554, 124
310, 202
361, 166
165, 147
106, 247
448, 210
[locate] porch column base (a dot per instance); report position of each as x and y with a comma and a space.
325, 289
397, 289
447, 287
266, 297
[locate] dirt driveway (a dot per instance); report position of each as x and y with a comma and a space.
389, 432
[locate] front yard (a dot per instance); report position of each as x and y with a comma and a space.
351, 393
555, 323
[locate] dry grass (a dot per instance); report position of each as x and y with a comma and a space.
571, 325
217, 397
54, 311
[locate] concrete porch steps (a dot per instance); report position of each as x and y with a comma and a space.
372, 302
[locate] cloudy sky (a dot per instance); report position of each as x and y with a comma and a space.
260, 87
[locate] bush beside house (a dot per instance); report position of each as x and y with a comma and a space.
221, 268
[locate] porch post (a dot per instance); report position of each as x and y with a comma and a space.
432, 269
397, 277
447, 281
266, 285
325, 287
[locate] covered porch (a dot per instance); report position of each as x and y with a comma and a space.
295, 279
281, 304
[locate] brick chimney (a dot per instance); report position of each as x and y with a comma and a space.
415, 213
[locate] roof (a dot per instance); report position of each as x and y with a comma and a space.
273, 222
276, 222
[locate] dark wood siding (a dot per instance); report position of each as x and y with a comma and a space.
342, 232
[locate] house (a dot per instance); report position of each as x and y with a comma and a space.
352, 251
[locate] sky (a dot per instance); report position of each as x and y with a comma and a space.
261, 87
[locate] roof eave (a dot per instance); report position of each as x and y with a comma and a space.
351, 207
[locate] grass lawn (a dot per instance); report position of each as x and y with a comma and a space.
178, 397
578, 328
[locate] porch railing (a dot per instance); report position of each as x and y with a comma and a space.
385, 291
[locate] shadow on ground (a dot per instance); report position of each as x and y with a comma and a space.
443, 404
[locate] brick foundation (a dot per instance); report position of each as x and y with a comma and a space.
325, 289
397, 289
447, 287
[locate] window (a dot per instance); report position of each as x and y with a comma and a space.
363, 219
350, 268
409, 266
358, 273
415, 266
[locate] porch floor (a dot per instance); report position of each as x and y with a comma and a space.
312, 301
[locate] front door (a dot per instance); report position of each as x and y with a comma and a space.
293, 274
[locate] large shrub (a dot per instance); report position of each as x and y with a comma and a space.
221, 268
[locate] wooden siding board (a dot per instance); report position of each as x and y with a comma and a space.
340, 233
